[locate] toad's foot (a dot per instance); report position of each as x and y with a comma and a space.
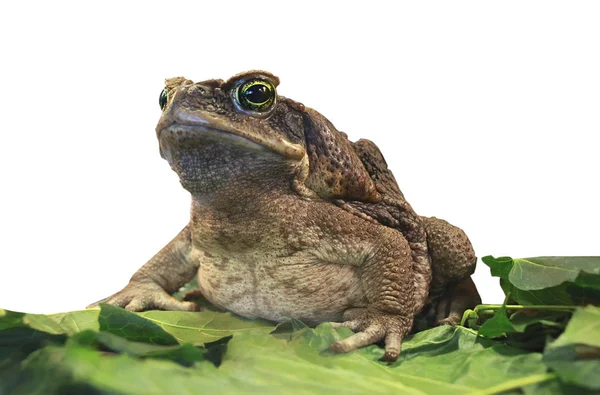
193, 295
140, 296
455, 300
373, 326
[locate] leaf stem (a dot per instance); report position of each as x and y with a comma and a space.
486, 307
518, 383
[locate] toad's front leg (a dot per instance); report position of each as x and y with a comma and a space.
388, 280
152, 285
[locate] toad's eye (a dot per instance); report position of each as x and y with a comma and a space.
256, 95
163, 98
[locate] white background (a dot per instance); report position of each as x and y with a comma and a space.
487, 112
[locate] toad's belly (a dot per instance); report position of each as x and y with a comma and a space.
282, 288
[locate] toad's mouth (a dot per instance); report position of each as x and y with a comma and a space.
187, 134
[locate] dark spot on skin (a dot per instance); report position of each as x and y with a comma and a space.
233, 280
267, 302
270, 271
213, 283
206, 254
293, 104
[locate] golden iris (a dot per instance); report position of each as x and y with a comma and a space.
256, 95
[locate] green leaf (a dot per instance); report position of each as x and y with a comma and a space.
442, 360
470, 319
584, 328
522, 320
10, 319
80, 370
548, 280
553, 387
449, 360
544, 272
297, 324
575, 355
131, 326
558, 295
586, 289
184, 354
27, 339
498, 325
588, 280
16, 344
196, 328
64, 323
204, 327
499, 267
536, 323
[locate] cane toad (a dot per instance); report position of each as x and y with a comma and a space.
290, 219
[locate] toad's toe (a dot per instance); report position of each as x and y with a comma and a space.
374, 326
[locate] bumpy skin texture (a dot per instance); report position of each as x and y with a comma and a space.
453, 260
290, 219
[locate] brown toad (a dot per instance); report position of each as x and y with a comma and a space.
290, 219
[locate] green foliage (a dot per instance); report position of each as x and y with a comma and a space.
131, 326
511, 348
185, 354
548, 280
575, 355
63, 323
546, 314
207, 327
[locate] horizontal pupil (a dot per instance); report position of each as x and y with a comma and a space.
257, 94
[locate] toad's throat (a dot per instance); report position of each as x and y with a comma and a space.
182, 133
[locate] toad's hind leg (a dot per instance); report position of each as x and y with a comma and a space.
388, 280
452, 261
454, 301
